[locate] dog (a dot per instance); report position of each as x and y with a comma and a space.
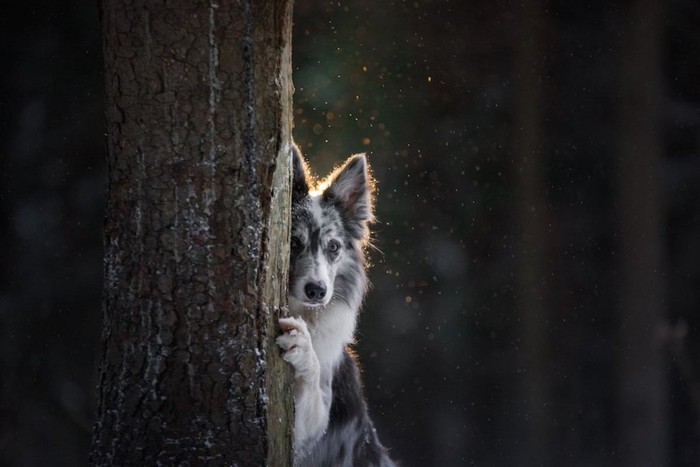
327, 283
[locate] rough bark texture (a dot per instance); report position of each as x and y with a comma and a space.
531, 221
642, 389
197, 233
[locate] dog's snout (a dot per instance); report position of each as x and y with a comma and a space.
315, 291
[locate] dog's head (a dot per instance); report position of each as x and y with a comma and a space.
329, 229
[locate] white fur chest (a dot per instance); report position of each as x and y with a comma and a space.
331, 330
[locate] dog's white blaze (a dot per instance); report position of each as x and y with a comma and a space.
316, 210
321, 270
323, 274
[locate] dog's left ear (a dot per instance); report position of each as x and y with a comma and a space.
300, 176
352, 187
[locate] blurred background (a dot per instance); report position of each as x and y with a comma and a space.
536, 282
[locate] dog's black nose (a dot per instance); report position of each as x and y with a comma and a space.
315, 291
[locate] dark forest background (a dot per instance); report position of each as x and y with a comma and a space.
539, 175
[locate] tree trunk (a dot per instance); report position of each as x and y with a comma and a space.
531, 221
196, 234
642, 389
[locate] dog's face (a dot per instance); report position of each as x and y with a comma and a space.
329, 226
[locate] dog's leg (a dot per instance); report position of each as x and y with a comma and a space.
311, 402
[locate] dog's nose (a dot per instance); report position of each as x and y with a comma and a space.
315, 291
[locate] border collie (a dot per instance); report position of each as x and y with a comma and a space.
327, 282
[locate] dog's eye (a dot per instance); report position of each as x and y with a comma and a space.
296, 243
333, 246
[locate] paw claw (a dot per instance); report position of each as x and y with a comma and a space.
292, 324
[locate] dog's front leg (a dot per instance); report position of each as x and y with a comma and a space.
311, 403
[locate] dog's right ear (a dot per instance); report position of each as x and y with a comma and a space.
300, 176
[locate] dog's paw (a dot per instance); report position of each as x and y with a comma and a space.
295, 343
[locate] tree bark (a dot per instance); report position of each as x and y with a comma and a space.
196, 234
531, 220
642, 387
